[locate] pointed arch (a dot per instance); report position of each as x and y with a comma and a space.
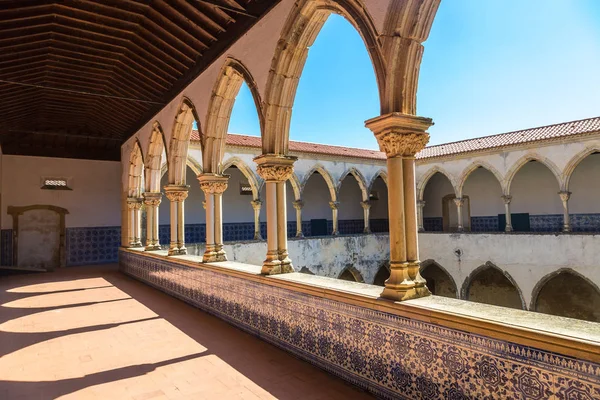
233, 73
296, 186
300, 31
382, 173
422, 183
524, 160
136, 171
326, 176
472, 167
190, 162
574, 162
248, 173
180, 141
465, 289
360, 179
350, 273
382, 275
155, 158
565, 296
451, 290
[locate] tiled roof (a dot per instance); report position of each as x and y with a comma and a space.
542, 133
584, 126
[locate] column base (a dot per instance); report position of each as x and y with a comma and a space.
335, 233
508, 229
210, 254
152, 247
566, 229
299, 234
221, 255
257, 236
367, 230
421, 230
399, 286
182, 251
273, 265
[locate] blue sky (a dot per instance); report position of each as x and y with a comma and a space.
489, 67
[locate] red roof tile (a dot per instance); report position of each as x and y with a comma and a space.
584, 126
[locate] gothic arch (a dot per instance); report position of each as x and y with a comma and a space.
136, 171
351, 271
360, 179
422, 183
537, 290
190, 162
326, 176
522, 162
248, 173
300, 31
382, 275
297, 187
382, 173
154, 158
180, 141
430, 264
467, 172
227, 86
574, 162
464, 291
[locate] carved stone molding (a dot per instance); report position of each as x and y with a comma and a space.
298, 204
459, 201
176, 193
334, 205
365, 204
275, 168
256, 204
400, 135
213, 183
152, 199
421, 203
507, 199
564, 196
134, 203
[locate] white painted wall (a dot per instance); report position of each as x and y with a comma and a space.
437, 187
237, 207
316, 198
535, 190
585, 187
350, 197
94, 200
379, 208
484, 192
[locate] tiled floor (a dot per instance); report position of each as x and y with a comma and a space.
93, 333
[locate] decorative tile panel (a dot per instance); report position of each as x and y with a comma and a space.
93, 245
380, 225
433, 224
546, 223
6, 243
390, 356
351, 226
585, 222
484, 224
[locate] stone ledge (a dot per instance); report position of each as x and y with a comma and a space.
565, 336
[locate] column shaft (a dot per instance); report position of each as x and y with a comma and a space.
366, 205
282, 239
334, 213
420, 206
459, 203
173, 249
210, 253
256, 205
181, 227
564, 197
221, 256
272, 259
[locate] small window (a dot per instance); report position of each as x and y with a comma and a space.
374, 195
55, 184
245, 189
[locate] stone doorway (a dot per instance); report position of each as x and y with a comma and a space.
39, 237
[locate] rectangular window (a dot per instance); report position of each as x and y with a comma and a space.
245, 189
55, 184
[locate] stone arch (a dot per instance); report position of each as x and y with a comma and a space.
522, 162
190, 162
472, 167
510, 298
382, 275
297, 186
154, 158
326, 176
574, 162
300, 31
422, 183
439, 280
227, 86
180, 141
382, 173
136, 171
360, 179
581, 302
350, 273
248, 173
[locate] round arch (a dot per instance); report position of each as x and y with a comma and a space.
350, 273
135, 185
510, 176
537, 291
452, 290
180, 141
154, 158
574, 162
300, 31
326, 176
470, 169
227, 86
464, 291
360, 179
248, 173
422, 183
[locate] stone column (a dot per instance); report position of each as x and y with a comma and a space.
401, 136
420, 206
459, 201
507, 199
130, 221
152, 201
334, 212
276, 170
256, 205
177, 195
134, 220
564, 197
366, 205
298, 204
213, 186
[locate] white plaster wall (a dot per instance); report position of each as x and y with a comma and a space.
350, 197
527, 258
535, 190
194, 211
316, 198
484, 192
94, 200
585, 187
379, 208
236, 207
437, 187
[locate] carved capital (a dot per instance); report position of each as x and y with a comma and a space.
152, 199
459, 201
176, 193
275, 168
365, 204
213, 183
298, 204
421, 203
564, 196
400, 135
334, 205
256, 204
134, 203
507, 199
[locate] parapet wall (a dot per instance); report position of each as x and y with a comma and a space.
422, 348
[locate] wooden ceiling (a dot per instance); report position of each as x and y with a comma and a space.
79, 77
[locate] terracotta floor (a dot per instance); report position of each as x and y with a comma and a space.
93, 333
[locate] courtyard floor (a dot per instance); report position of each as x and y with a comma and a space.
94, 333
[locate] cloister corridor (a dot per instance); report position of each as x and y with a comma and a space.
94, 333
